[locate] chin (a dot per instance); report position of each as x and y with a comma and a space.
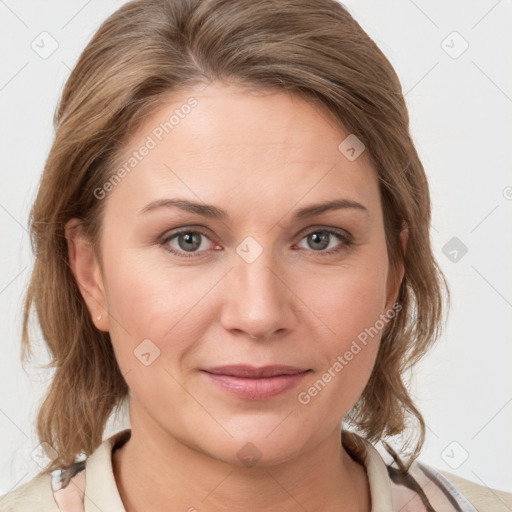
259, 444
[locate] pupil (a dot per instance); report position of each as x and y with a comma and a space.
190, 238
319, 239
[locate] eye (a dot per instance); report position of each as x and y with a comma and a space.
186, 241
321, 239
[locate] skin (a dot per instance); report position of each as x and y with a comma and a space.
260, 157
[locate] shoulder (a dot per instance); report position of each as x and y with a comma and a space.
64, 489
485, 499
33, 496
446, 491
420, 487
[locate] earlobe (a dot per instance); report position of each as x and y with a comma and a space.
87, 273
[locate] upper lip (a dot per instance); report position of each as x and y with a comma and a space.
255, 372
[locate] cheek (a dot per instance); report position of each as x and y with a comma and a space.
150, 301
359, 299
349, 298
349, 303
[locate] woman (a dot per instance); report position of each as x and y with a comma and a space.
272, 138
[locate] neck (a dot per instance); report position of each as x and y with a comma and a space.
153, 470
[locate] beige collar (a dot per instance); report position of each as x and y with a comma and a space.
101, 491
366, 454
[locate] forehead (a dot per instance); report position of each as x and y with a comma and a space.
222, 142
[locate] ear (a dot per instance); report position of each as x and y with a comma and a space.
87, 272
397, 274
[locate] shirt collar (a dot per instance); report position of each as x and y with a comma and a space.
101, 492
365, 453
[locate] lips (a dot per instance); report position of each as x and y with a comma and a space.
253, 372
252, 383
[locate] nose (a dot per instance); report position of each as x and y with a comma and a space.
258, 300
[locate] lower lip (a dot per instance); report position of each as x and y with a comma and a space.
256, 388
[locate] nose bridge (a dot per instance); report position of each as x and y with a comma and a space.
255, 270
259, 303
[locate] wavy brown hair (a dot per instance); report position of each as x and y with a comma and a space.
142, 53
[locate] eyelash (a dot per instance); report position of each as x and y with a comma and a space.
345, 244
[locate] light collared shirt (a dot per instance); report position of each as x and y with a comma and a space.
89, 485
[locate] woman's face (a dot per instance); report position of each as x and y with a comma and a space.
266, 276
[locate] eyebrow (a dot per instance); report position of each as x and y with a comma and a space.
208, 210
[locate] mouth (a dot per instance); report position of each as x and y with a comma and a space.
253, 383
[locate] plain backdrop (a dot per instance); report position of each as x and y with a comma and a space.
454, 62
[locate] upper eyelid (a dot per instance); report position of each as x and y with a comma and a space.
337, 231
204, 231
